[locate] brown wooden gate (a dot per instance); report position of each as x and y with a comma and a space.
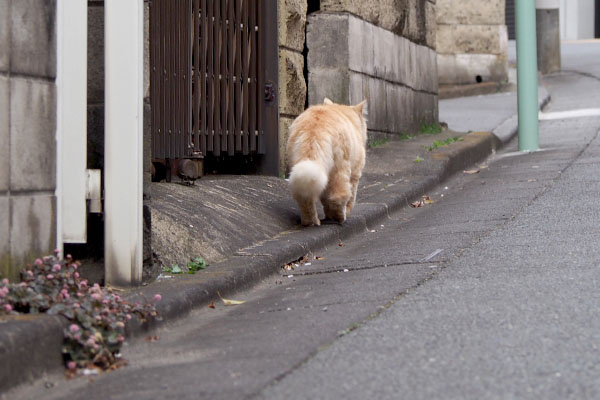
214, 80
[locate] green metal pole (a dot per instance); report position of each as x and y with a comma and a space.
527, 75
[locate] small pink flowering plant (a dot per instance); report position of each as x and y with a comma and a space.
97, 316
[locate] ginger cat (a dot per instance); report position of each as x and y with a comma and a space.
326, 154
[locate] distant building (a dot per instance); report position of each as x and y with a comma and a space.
471, 42
579, 19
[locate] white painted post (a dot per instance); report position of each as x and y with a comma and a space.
124, 33
71, 83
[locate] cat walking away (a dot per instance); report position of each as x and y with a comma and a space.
326, 155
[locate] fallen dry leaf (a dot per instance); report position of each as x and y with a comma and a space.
341, 244
211, 304
294, 264
319, 258
152, 338
119, 364
228, 302
427, 200
471, 171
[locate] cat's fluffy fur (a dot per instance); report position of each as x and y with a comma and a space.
326, 154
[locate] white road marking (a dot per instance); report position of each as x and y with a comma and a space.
584, 112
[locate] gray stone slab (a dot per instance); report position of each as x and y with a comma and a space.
368, 49
412, 77
33, 38
435, 76
4, 132
33, 227
382, 56
424, 69
350, 59
377, 104
426, 108
327, 41
4, 35
357, 89
399, 109
361, 53
464, 68
328, 82
32, 134
548, 40
402, 56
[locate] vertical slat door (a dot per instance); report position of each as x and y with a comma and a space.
212, 61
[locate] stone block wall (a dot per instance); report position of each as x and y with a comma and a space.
292, 85
472, 41
27, 132
392, 65
412, 19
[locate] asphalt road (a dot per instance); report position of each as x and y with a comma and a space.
514, 316
489, 292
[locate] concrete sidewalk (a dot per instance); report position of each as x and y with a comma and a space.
246, 227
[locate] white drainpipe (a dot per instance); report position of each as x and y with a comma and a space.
71, 83
124, 33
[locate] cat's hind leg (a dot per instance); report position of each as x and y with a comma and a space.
308, 211
336, 196
354, 184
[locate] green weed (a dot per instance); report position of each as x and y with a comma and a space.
431, 129
195, 265
173, 269
441, 143
378, 143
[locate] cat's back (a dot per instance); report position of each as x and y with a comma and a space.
325, 119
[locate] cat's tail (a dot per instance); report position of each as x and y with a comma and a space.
307, 180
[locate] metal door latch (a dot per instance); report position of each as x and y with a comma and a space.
269, 92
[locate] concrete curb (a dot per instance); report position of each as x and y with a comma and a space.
252, 264
471, 89
32, 345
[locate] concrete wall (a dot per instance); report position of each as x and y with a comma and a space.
351, 59
548, 40
472, 41
577, 19
27, 132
